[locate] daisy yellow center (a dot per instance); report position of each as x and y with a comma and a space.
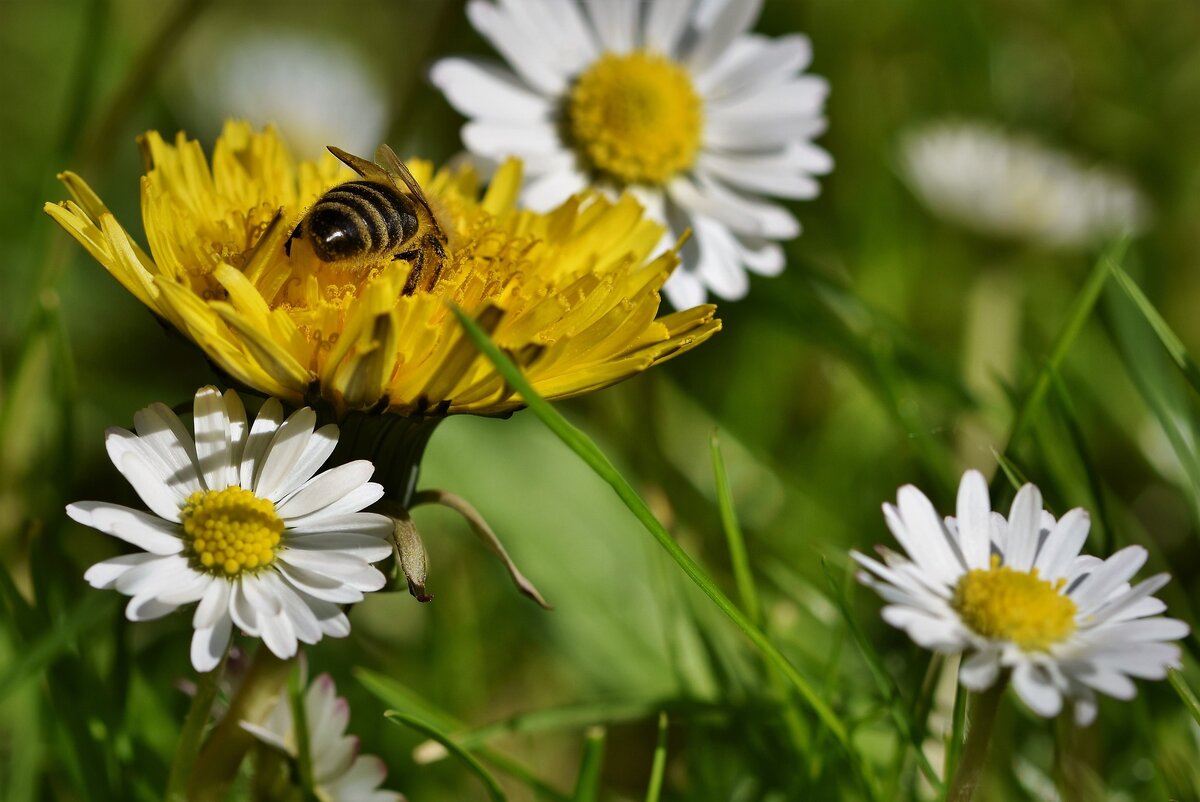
636, 117
1015, 606
230, 531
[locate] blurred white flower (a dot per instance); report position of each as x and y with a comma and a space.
316, 89
340, 774
1009, 185
1017, 594
240, 524
673, 100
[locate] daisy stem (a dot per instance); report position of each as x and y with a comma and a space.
981, 715
230, 743
207, 685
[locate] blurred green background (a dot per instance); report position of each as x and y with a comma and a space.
894, 349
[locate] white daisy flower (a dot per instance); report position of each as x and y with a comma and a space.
340, 774
1012, 186
317, 89
240, 524
673, 100
1018, 595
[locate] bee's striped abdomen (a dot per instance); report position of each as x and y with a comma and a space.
360, 219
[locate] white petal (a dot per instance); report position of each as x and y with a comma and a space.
615, 21
363, 777
932, 548
550, 190
188, 590
1119, 607
212, 439
213, 605
133, 526
760, 255
745, 215
162, 432
359, 523
318, 450
684, 289
359, 498
1108, 682
345, 568
326, 488
766, 174
754, 128
502, 139
478, 88
1062, 545
243, 611
927, 631
1024, 528
974, 513
278, 635
733, 20
265, 425
319, 586
1085, 707
364, 547
209, 643
665, 23
104, 575
1036, 688
528, 56
719, 265
239, 429
259, 596
980, 670
304, 620
278, 464
148, 608
759, 61
1100, 584
150, 578
158, 490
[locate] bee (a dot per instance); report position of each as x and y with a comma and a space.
383, 214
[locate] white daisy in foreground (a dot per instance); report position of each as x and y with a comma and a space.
340, 774
673, 100
240, 524
1009, 185
1017, 594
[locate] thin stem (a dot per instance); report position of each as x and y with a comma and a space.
207, 685
300, 725
981, 716
230, 743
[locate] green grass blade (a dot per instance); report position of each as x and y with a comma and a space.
582, 445
429, 731
1081, 309
659, 765
587, 787
911, 730
38, 654
1170, 341
396, 695
738, 558
1186, 694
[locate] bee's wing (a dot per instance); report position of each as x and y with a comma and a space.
389, 161
361, 166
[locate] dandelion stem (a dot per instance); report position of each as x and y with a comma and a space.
207, 685
981, 715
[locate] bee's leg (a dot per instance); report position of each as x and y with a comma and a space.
296, 234
432, 243
417, 258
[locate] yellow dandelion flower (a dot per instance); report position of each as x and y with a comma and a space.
572, 295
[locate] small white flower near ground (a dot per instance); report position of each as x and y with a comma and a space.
241, 522
673, 100
1015, 594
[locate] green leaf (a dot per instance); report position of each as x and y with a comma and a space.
428, 730
1170, 341
1186, 694
38, 654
